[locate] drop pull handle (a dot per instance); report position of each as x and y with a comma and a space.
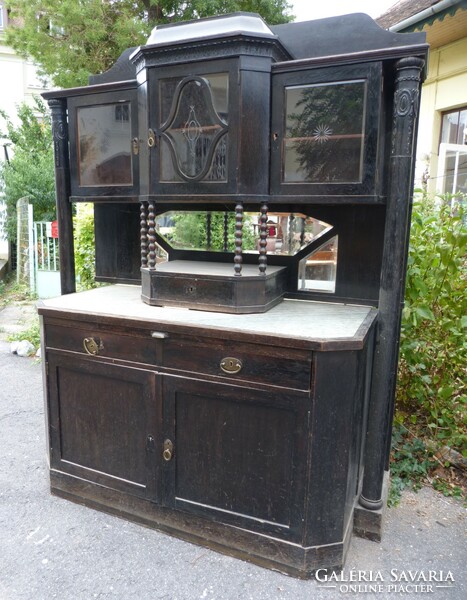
91, 346
151, 138
168, 450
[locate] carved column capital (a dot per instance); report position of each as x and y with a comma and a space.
58, 109
406, 103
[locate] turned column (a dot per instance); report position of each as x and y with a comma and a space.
263, 239
404, 124
151, 236
62, 194
144, 234
238, 259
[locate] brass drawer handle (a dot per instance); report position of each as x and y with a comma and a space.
231, 366
168, 450
91, 346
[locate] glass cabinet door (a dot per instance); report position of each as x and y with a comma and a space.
325, 131
104, 154
194, 130
193, 115
103, 144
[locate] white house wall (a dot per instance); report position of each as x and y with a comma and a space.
444, 89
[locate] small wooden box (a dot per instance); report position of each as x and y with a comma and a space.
213, 286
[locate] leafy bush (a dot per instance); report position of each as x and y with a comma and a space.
410, 463
433, 349
190, 231
84, 245
32, 334
431, 392
30, 171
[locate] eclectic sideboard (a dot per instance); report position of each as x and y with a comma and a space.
212, 429
233, 383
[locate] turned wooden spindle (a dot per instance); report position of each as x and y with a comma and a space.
263, 242
238, 239
291, 232
152, 235
144, 234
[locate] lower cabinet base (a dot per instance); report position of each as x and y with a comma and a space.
272, 553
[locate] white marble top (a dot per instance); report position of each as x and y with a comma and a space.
291, 318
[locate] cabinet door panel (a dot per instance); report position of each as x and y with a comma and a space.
103, 158
192, 112
325, 131
103, 423
238, 454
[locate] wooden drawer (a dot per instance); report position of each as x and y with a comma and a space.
239, 361
235, 361
136, 346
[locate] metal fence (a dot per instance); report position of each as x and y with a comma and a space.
46, 247
46, 260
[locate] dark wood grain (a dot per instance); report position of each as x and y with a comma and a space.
117, 242
62, 194
101, 417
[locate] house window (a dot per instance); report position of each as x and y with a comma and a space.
452, 164
454, 127
122, 113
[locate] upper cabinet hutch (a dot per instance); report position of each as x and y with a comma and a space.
233, 383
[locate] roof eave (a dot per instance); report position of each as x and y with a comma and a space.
428, 16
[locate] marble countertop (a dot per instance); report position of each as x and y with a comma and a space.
300, 319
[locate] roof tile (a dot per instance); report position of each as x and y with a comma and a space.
403, 10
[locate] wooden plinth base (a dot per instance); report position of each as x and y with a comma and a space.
368, 524
265, 551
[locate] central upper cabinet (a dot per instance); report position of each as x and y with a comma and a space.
205, 107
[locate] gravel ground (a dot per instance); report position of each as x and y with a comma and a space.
52, 548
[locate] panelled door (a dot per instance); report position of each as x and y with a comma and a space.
104, 423
236, 454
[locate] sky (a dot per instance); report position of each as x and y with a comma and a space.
306, 10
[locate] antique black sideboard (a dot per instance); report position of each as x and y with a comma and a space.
233, 382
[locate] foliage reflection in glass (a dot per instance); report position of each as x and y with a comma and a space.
324, 133
287, 233
104, 134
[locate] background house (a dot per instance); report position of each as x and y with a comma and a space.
442, 137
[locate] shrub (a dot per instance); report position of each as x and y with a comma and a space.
410, 462
190, 231
431, 396
84, 245
30, 171
431, 390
